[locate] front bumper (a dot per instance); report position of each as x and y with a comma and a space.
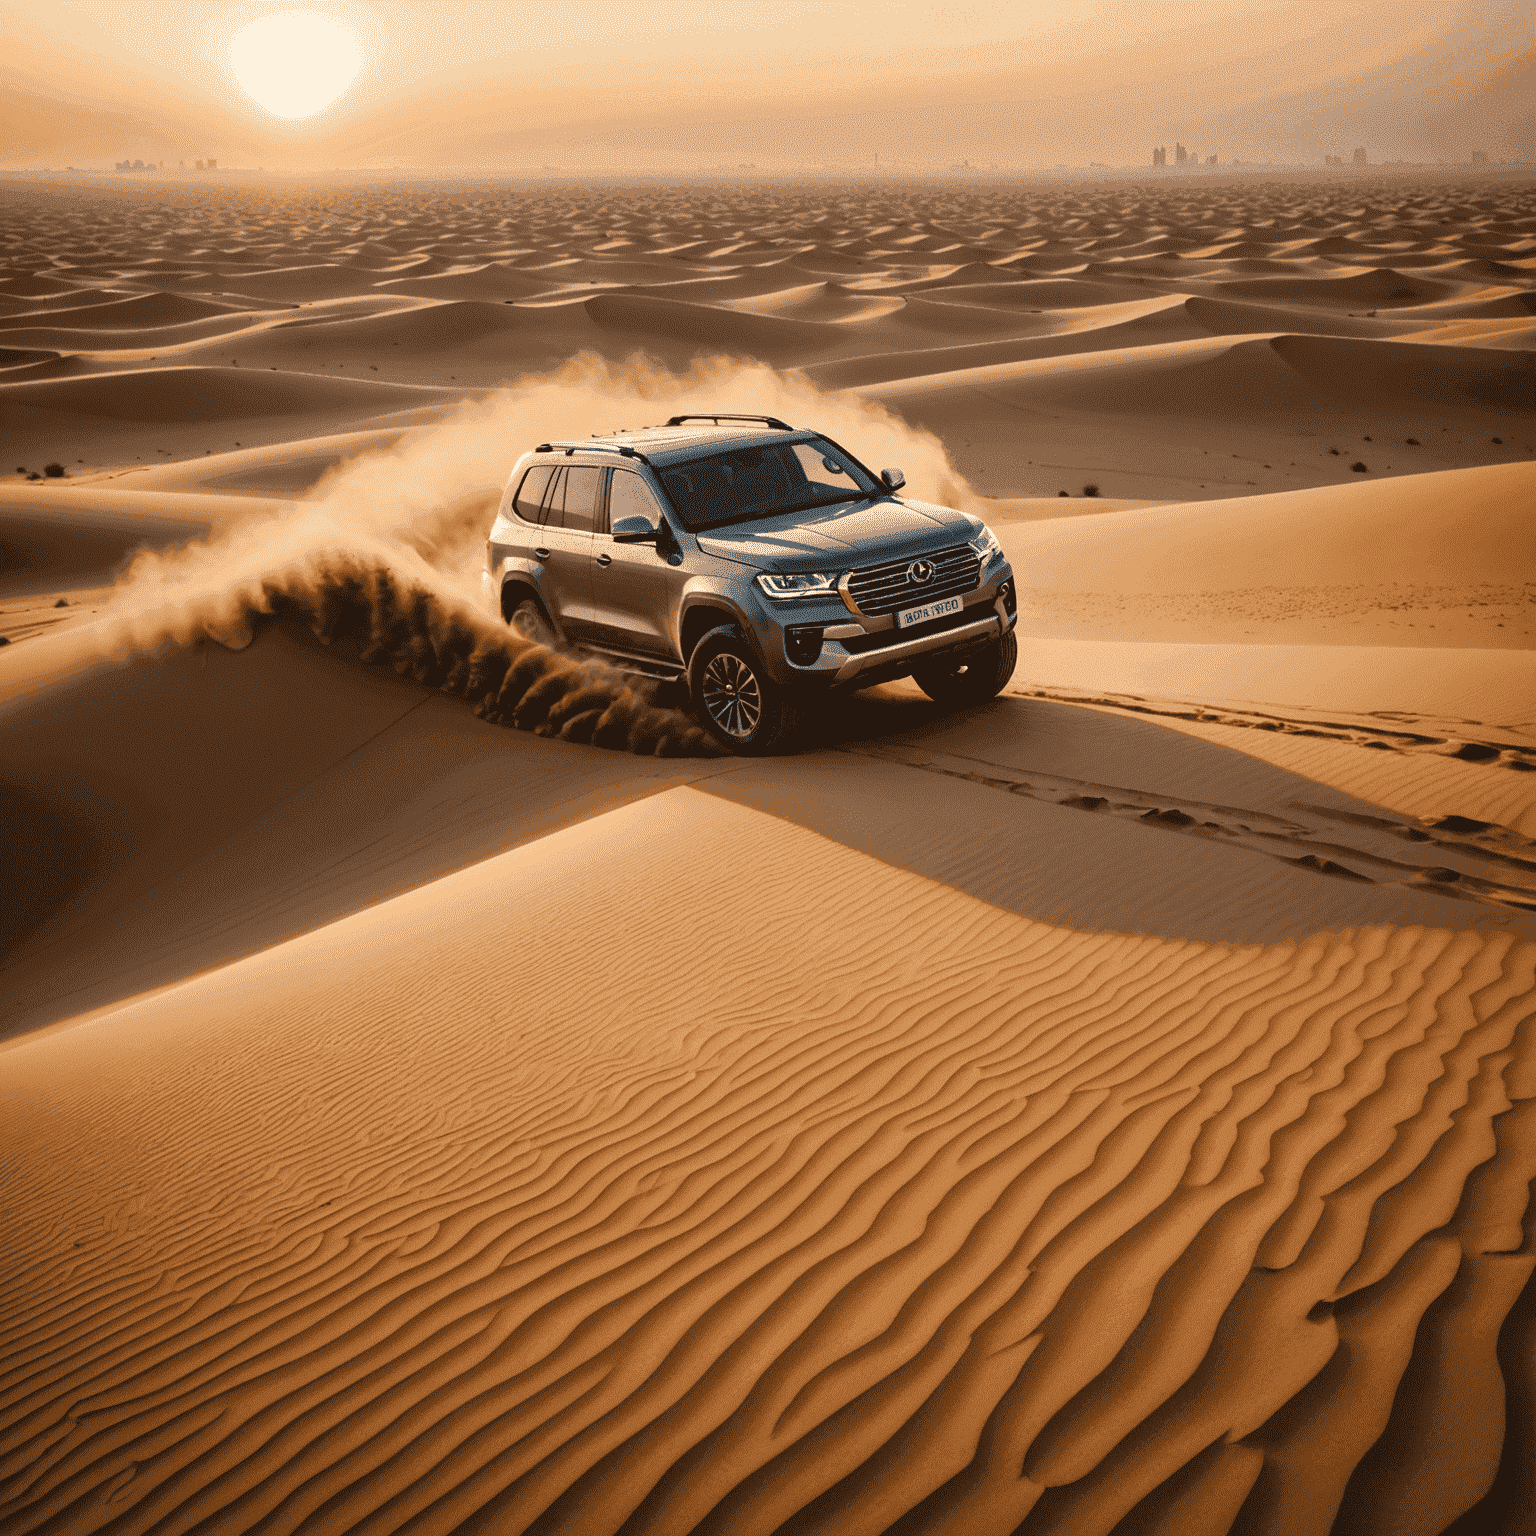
981, 632
876, 650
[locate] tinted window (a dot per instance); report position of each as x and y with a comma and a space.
763, 481
581, 487
629, 497
552, 514
531, 492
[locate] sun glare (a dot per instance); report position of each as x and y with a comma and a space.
295, 62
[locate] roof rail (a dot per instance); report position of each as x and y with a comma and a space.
717, 418
622, 449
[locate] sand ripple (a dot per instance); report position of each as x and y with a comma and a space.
1010, 1226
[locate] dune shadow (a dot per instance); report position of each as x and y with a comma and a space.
1098, 821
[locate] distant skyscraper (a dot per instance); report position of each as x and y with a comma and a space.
1160, 155
1180, 154
1210, 159
1479, 157
1360, 157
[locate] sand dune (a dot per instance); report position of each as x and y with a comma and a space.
25, 357
204, 394
442, 1097
164, 782
816, 301
809, 1266
1440, 561
494, 282
286, 468
1278, 262
770, 337
54, 539
190, 407
518, 337
1382, 288
1273, 412
144, 311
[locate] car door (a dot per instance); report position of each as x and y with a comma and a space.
567, 519
635, 590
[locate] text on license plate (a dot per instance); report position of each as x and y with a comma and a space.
910, 616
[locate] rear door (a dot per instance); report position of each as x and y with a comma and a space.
565, 538
635, 591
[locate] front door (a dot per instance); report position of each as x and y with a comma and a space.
565, 539
634, 590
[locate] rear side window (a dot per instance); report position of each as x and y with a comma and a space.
531, 493
552, 514
582, 484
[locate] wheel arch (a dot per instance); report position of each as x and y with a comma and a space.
699, 618
513, 590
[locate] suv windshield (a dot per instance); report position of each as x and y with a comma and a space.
746, 483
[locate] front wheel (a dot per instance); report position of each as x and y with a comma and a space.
974, 678
745, 711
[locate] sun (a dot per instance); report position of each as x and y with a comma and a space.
295, 62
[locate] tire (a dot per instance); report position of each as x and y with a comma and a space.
742, 708
972, 679
530, 621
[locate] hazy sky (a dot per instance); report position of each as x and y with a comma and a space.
597, 82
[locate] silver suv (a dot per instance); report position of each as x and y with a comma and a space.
761, 565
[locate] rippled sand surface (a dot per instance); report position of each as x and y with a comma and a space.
441, 1096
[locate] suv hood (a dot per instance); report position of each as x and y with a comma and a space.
841, 537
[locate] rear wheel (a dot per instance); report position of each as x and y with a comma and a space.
529, 620
744, 710
973, 679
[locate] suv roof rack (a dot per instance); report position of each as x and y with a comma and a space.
622, 449
718, 417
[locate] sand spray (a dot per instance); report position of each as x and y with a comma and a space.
382, 559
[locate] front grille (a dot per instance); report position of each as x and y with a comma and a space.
880, 589
859, 644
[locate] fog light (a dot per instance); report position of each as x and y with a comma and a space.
802, 643
1010, 600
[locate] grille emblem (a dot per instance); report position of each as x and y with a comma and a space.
920, 572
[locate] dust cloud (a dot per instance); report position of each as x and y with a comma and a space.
383, 557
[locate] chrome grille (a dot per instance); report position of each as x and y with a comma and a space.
879, 589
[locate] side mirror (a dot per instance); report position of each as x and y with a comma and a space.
635, 529
893, 478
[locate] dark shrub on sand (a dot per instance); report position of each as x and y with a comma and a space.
54, 471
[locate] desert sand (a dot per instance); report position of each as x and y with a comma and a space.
440, 1095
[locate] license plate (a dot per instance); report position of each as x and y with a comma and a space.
945, 606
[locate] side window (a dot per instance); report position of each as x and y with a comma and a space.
531, 492
551, 514
629, 496
582, 483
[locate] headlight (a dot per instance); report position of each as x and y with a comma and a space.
800, 584
985, 544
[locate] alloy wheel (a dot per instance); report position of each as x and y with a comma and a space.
732, 695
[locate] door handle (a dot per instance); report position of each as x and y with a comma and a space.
605, 559
543, 554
